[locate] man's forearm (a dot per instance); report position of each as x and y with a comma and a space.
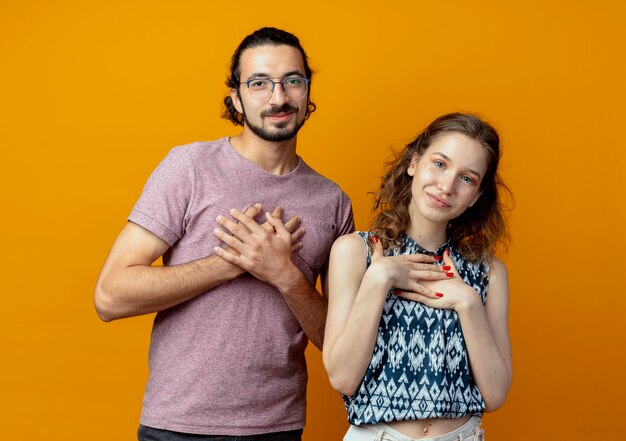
141, 289
307, 305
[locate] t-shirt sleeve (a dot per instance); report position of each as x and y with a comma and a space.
165, 200
346, 222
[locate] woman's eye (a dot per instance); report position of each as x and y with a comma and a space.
467, 179
439, 164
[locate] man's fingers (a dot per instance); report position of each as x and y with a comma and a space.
253, 210
276, 223
277, 212
296, 235
296, 246
228, 257
229, 240
247, 221
291, 224
237, 229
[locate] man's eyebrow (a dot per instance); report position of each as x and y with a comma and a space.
293, 73
474, 172
266, 75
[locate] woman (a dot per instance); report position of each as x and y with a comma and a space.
417, 331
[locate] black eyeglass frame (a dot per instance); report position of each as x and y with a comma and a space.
307, 81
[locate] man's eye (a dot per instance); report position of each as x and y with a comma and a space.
258, 84
293, 82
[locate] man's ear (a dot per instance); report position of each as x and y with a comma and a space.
236, 101
412, 166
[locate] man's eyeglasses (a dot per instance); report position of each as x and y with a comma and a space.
261, 89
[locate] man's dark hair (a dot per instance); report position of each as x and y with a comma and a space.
261, 37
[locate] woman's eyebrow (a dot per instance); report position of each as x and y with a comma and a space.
447, 158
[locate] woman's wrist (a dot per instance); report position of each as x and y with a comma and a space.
378, 275
469, 303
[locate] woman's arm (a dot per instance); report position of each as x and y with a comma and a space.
356, 299
486, 333
355, 302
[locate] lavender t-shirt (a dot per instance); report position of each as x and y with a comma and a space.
231, 361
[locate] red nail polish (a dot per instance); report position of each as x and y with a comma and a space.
438, 258
375, 239
438, 294
450, 274
448, 251
446, 267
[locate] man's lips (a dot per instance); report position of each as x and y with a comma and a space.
279, 115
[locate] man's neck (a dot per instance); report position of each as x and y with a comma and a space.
278, 158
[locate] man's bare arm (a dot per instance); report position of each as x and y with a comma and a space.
307, 305
128, 285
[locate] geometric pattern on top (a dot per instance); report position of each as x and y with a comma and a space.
420, 367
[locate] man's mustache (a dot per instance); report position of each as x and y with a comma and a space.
275, 110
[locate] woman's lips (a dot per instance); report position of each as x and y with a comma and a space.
438, 201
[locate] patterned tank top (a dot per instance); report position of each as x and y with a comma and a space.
420, 367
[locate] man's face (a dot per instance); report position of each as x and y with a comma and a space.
278, 117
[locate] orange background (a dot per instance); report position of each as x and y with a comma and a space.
94, 94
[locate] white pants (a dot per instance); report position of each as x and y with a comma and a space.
470, 431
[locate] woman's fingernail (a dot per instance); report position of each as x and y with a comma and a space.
375, 239
446, 267
438, 258
438, 294
450, 274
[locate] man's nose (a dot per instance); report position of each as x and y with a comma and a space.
278, 95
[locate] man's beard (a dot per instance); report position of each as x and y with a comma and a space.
278, 134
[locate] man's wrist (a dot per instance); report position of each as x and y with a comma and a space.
215, 264
291, 278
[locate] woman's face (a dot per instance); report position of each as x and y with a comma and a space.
446, 178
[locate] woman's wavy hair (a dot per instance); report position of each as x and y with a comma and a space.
262, 37
478, 230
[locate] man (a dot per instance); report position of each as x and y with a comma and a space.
235, 299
